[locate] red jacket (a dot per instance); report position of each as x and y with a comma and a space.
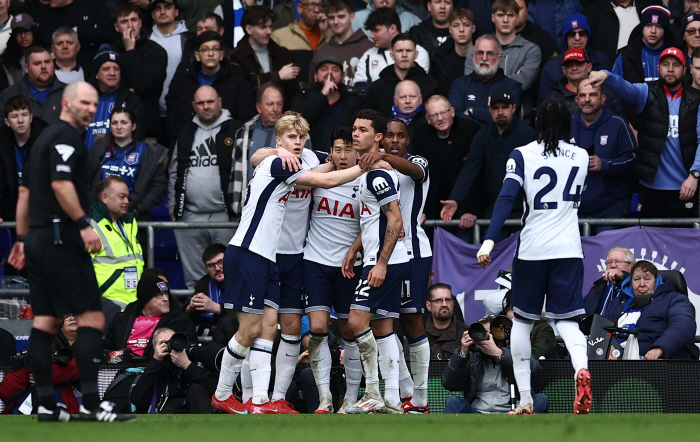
17, 380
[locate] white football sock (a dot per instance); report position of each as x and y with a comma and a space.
419, 351
575, 342
405, 379
521, 351
353, 370
260, 369
320, 360
285, 364
246, 380
230, 368
368, 353
388, 349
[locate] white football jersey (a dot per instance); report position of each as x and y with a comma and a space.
263, 208
296, 217
335, 223
413, 194
378, 187
553, 186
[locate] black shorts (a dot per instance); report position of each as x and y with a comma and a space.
61, 277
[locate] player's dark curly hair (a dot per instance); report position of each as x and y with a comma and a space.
341, 133
377, 119
553, 123
397, 120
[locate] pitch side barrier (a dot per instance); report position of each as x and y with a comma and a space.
618, 386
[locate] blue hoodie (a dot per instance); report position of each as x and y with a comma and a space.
668, 322
614, 144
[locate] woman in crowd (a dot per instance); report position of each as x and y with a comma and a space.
140, 163
13, 57
663, 317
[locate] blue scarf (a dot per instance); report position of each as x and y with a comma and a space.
407, 117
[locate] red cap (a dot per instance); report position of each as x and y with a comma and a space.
674, 52
574, 55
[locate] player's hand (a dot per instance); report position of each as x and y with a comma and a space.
129, 40
381, 165
377, 275
348, 268
595, 79
16, 258
180, 359
449, 207
484, 253
289, 160
303, 357
423, 217
91, 240
329, 85
594, 163
611, 275
688, 188
342, 356
402, 234
160, 351
289, 72
466, 221
466, 343
368, 159
653, 354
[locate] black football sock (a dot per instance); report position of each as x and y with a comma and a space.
88, 355
39, 359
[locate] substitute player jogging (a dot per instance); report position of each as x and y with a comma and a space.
548, 258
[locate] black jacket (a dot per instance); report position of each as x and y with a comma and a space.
487, 158
466, 373
143, 69
632, 55
223, 146
49, 111
592, 300
560, 93
322, 117
442, 69
652, 135
9, 184
605, 25
446, 157
151, 184
161, 374
380, 95
244, 58
236, 95
424, 35
117, 334
543, 39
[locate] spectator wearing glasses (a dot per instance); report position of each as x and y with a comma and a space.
304, 36
444, 141
691, 35
154, 308
618, 264
444, 329
207, 305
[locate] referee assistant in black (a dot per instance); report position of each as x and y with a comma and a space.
54, 239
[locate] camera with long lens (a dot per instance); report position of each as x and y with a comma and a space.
180, 342
478, 333
61, 357
500, 330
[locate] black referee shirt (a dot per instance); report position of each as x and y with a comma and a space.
59, 153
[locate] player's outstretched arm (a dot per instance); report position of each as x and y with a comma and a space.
16, 258
68, 199
289, 160
394, 223
401, 164
330, 179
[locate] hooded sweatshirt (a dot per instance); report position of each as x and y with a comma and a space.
172, 43
203, 187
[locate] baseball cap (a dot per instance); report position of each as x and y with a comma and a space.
503, 95
673, 52
170, 2
24, 21
575, 21
657, 15
330, 59
574, 55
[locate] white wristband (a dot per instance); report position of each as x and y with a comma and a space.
486, 248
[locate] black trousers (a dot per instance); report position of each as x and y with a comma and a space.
665, 204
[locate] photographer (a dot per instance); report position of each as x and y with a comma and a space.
484, 370
171, 382
16, 385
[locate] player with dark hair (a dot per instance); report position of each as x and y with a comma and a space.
549, 257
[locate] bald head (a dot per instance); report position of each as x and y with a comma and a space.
407, 96
79, 104
207, 105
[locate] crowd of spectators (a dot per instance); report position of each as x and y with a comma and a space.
190, 91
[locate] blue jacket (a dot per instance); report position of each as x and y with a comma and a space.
551, 72
668, 322
615, 145
471, 91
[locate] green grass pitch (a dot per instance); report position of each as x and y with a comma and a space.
380, 428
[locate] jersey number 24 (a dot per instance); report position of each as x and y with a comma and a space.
566, 195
